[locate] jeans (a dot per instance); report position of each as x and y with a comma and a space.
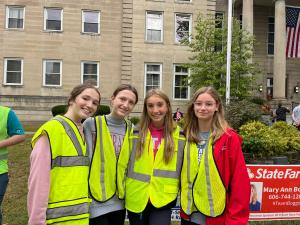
3, 185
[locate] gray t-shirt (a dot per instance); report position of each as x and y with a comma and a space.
197, 217
117, 130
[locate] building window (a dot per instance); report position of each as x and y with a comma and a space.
90, 21
154, 26
53, 18
152, 76
52, 72
269, 88
271, 29
181, 89
183, 26
13, 71
15, 17
90, 71
219, 24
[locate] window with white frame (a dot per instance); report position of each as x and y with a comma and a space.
183, 26
13, 71
152, 76
181, 89
154, 26
219, 24
183, 0
15, 17
90, 71
271, 30
53, 18
90, 21
52, 72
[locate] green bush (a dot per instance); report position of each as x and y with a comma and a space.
103, 110
135, 120
61, 109
238, 113
263, 141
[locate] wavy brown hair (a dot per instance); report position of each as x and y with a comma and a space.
169, 126
219, 124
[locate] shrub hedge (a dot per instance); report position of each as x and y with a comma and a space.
265, 141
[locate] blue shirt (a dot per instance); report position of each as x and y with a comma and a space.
14, 127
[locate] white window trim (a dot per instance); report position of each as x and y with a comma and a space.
61, 19
5, 71
174, 74
190, 26
145, 75
7, 14
82, 20
82, 70
44, 72
162, 26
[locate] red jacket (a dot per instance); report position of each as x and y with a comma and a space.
232, 168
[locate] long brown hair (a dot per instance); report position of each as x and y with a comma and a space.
219, 124
168, 126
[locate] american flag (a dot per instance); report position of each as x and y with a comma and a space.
293, 32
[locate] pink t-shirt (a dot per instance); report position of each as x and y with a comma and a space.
157, 134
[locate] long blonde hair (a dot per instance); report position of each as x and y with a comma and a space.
219, 124
169, 126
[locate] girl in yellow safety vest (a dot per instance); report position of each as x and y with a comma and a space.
58, 187
152, 180
108, 145
215, 187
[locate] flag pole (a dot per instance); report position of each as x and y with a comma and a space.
229, 38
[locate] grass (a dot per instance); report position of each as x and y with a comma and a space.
14, 205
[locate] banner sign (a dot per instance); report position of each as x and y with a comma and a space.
275, 192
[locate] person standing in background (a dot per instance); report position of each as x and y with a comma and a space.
296, 116
11, 133
59, 165
281, 113
108, 143
177, 115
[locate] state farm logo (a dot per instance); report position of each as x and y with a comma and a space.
250, 174
264, 173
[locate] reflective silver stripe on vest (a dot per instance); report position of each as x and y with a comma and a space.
4, 156
71, 134
131, 173
156, 172
102, 181
65, 161
190, 184
207, 175
64, 211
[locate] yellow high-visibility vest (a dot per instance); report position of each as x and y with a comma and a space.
153, 179
202, 188
4, 111
104, 178
68, 201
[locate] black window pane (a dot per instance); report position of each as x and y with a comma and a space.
53, 25
15, 23
13, 65
90, 68
153, 68
52, 79
271, 28
91, 27
13, 77
270, 49
91, 78
271, 37
271, 20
